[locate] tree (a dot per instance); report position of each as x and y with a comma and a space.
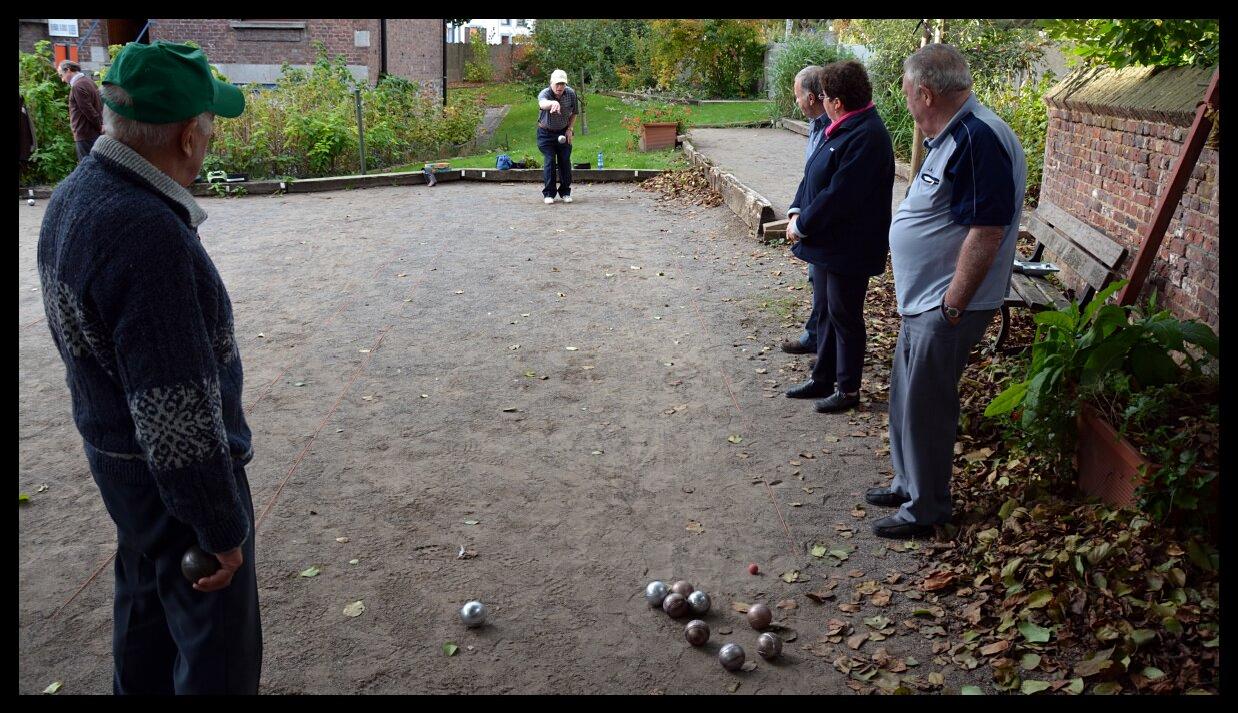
1158, 43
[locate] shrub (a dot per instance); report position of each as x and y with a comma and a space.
799, 52
710, 58
1161, 43
306, 126
47, 101
480, 69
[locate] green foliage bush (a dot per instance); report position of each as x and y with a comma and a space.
1160, 43
1002, 54
479, 69
47, 101
708, 58
799, 52
1104, 355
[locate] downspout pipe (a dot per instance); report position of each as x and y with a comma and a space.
382, 46
444, 52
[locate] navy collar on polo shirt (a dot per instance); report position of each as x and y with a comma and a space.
968, 106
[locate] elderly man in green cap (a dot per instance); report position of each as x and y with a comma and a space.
143, 324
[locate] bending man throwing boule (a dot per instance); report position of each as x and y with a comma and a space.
559, 106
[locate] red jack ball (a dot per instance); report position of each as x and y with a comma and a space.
753, 569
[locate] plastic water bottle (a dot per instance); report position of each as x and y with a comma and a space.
601, 163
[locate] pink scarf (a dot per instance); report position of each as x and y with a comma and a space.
835, 124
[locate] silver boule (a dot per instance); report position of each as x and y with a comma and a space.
769, 646
731, 656
30, 201
656, 592
473, 614
699, 601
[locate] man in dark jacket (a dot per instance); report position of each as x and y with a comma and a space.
840, 224
85, 107
143, 324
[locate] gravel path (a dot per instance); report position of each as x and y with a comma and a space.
587, 396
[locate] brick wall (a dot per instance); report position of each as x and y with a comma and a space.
1109, 170
415, 51
31, 31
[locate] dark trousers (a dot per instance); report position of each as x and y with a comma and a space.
168, 637
555, 153
83, 148
838, 302
809, 337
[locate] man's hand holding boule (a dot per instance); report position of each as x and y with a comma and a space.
229, 563
554, 107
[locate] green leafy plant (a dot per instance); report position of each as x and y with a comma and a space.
1077, 352
479, 69
47, 102
1149, 42
799, 52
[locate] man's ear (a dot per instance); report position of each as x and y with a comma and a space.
189, 131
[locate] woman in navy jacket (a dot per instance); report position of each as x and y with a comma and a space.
840, 224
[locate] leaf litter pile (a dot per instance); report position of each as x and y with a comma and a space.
688, 186
1050, 592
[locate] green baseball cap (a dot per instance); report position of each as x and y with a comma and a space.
170, 82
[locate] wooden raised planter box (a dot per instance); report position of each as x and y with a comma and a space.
1108, 463
654, 137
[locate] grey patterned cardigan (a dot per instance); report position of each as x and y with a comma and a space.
144, 326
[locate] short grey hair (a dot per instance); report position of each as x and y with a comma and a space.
810, 78
939, 67
140, 135
70, 64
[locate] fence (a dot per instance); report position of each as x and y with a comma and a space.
502, 57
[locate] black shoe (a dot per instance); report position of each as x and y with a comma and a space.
891, 528
795, 346
807, 390
884, 497
838, 401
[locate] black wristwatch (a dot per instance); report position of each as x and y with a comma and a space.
950, 312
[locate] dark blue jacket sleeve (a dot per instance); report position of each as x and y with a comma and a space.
981, 176
850, 183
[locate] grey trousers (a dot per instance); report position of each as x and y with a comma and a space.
924, 408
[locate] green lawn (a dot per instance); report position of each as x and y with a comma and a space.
516, 136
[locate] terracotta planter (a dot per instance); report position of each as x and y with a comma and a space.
654, 137
1108, 463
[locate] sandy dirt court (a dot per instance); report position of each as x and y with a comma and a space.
586, 396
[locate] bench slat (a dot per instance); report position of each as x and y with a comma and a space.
1026, 288
1086, 266
1090, 239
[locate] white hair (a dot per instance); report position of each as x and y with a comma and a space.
140, 135
810, 80
939, 67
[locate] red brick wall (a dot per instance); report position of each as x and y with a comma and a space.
1109, 171
28, 33
415, 51
414, 47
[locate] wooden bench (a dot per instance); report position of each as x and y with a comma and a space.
1088, 252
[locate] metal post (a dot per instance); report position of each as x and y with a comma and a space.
360, 128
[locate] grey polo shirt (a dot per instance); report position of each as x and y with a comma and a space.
567, 107
974, 173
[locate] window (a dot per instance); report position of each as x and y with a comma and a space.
522, 23
507, 23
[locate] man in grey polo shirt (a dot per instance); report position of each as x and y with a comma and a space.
952, 243
558, 105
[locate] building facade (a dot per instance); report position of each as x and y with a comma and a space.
252, 51
498, 32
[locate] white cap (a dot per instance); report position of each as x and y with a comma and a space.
558, 76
